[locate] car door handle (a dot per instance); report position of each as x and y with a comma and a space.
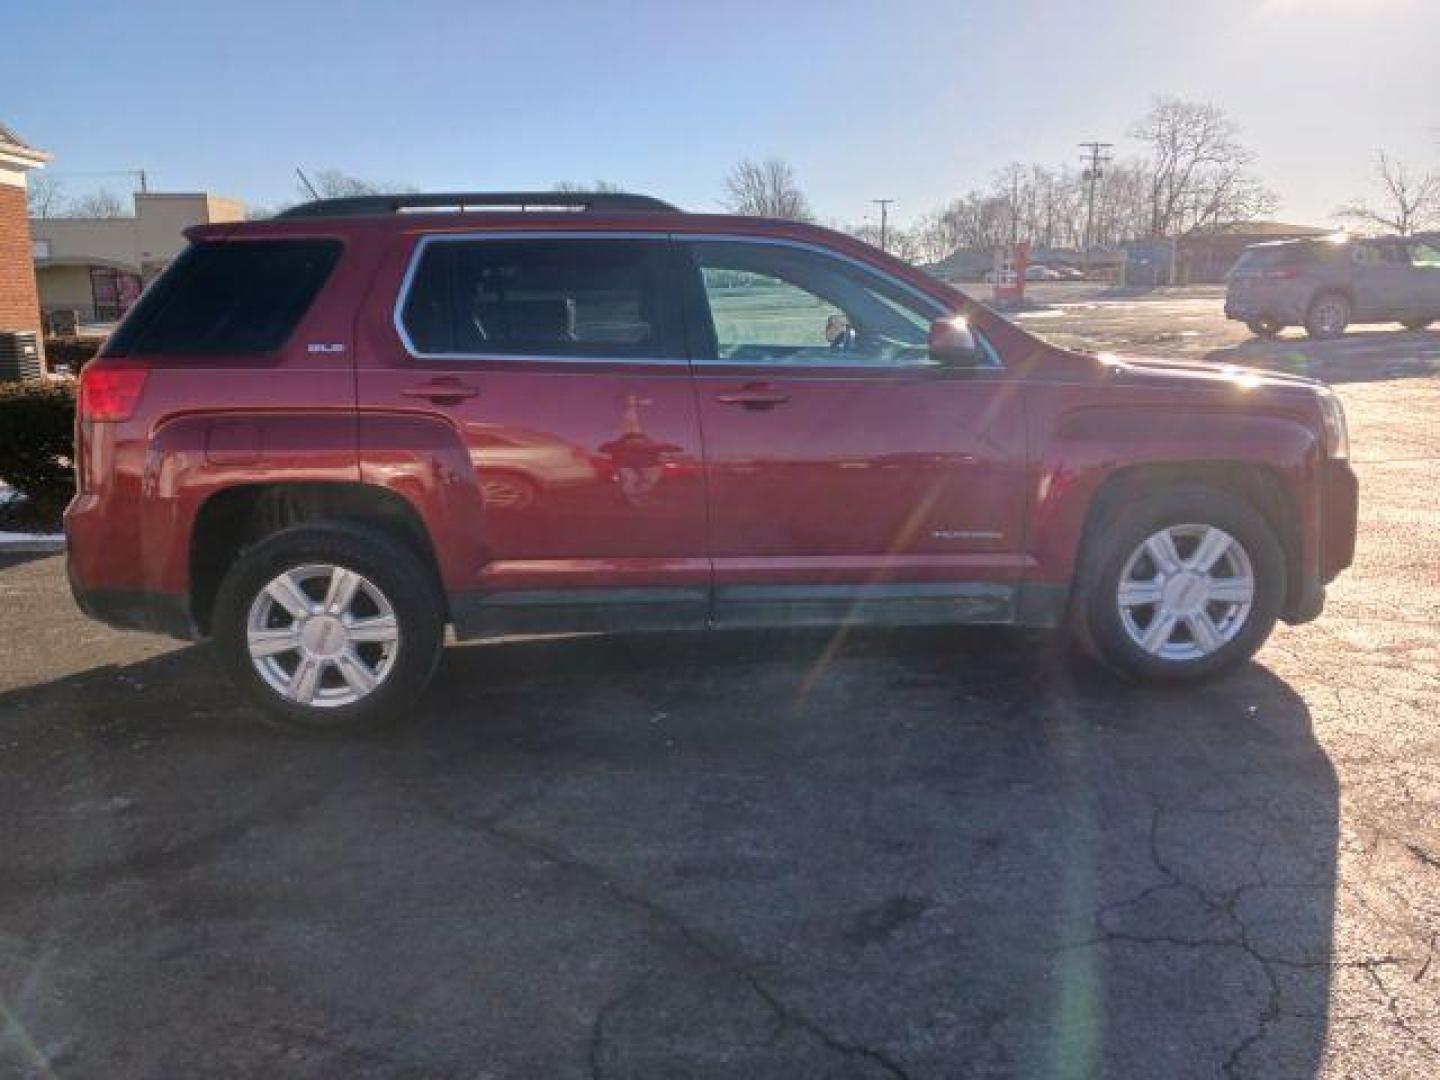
442, 391
753, 397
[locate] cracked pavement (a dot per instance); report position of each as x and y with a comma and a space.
916, 854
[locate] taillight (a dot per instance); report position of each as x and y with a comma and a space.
1282, 274
110, 391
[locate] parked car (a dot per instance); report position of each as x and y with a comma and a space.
1006, 277
1040, 272
1326, 284
319, 439
1069, 273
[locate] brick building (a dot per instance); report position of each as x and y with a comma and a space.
19, 297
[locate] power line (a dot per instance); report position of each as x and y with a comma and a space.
1096, 159
884, 205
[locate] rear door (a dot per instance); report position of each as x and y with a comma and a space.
558, 359
847, 475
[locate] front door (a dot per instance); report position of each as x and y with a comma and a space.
559, 362
848, 476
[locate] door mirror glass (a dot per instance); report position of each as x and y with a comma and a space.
953, 343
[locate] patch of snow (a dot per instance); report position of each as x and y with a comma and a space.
12, 539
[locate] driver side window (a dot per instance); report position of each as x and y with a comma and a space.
774, 304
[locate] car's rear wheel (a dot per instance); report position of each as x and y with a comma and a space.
329, 627
1179, 586
1265, 328
1328, 316
1416, 324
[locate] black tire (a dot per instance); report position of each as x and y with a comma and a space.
1328, 316
1096, 621
389, 566
1264, 328
1416, 324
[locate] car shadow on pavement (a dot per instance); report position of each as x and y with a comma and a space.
1372, 355
871, 854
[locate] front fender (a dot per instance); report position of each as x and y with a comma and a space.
1090, 447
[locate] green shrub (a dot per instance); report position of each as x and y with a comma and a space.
70, 352
37, 433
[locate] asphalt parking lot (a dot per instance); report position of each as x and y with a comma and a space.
916, 854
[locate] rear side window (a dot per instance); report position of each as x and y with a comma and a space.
550, 298
241, 296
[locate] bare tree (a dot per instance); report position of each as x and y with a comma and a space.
598, 187
904, 244
101, 203
766, 189
335, 184
44, 196
1408, 202
1199, 173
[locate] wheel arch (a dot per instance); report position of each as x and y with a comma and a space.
232, 518
1331, 289
1260, 485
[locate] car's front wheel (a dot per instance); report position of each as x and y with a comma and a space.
1179, 586
1265, 328
329, 627
1416, 324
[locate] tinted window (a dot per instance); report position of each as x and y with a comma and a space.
1269, 258
594, 298
1373, 254
243, 296
774, 304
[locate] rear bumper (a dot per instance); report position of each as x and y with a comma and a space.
131, 609
1250, 308
93, 553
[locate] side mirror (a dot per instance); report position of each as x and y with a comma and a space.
953, 344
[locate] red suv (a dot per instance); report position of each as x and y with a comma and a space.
322, 438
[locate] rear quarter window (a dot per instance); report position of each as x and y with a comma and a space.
1256, 259
227, 297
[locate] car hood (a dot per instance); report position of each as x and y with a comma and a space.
1202, 376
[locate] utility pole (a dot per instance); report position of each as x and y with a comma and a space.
884, 205
1095, 159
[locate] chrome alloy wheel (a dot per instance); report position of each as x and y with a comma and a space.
322, 635
1186, 592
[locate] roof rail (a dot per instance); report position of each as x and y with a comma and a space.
460, 201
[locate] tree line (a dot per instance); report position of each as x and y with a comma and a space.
1191, 171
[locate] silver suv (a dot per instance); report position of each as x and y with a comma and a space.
1325, 285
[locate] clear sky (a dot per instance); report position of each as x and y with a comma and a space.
915, 101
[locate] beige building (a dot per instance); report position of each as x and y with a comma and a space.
98, 266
